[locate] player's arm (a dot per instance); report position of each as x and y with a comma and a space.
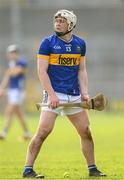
16, 70
4, 82
42, 66
83, 79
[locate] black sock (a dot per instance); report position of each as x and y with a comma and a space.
92, 167
28, 168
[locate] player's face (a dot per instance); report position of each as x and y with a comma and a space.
60, 24
13, 56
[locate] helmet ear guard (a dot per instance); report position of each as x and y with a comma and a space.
71, 27
69, 16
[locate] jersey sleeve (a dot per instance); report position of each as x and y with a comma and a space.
44, 50
22, 64
83, 50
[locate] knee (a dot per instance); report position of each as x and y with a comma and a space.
39, 138
42, 134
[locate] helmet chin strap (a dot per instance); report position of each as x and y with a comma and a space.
61, 33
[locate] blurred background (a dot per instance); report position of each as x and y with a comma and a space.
100, 23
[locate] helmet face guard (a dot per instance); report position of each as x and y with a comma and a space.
70, 17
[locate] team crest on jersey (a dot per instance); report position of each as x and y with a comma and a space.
78, 48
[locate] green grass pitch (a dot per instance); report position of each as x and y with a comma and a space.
61, 151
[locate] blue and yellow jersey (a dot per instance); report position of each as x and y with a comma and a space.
18, 81
64, 59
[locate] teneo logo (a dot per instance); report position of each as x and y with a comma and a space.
57, 47
67, 61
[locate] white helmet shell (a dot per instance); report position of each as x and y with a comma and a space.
69, 15
12, 48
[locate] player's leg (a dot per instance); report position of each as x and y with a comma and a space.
20, 114
46, 124
9, 111
16, 98
81, 123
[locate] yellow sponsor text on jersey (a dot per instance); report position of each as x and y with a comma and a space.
65, 59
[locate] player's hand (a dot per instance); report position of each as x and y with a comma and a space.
53, 101
85, 97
